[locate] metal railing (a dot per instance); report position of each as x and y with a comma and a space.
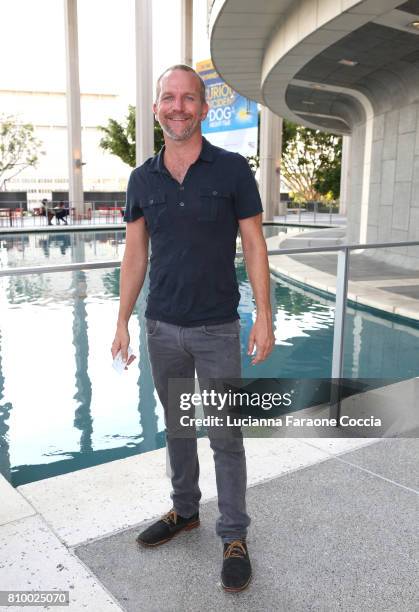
317, 212
341, 298
11, 212
16, 214
342, 273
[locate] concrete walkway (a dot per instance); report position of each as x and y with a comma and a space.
372, 283
334, 526
337, 535
42, 523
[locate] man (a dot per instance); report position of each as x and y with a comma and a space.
191, 199
46, 211
61, 212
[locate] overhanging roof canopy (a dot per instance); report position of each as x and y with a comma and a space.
324, 64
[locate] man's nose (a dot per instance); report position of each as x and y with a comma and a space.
178, 103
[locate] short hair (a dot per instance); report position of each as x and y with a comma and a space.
185, 68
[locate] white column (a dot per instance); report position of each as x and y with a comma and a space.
270, 157
186, 32
144, 131
75, 175
345, 177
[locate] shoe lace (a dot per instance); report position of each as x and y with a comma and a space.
235, 549
170, 517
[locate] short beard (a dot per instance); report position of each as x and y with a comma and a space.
185, 135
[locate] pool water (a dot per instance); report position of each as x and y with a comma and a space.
63, 407
49, 248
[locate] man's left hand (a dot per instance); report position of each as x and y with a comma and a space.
262, 336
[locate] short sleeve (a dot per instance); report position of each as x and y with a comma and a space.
247, 198
135, 193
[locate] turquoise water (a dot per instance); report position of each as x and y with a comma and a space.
63, 407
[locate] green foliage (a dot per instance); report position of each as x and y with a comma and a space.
119, 138
19, 148
328, 175
311, 162
158, 137
289, 131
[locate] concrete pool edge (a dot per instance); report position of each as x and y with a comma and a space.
361, 293
69, 510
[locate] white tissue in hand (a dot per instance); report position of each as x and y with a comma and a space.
118, 364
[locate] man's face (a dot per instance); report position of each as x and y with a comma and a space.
179, 109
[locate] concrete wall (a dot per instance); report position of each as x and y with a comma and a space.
394, 195
393, 211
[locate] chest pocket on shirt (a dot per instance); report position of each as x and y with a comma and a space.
155, 210
212, 202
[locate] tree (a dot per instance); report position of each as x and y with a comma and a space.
19, 148
311, 162
119, 138
329, 173
289, 131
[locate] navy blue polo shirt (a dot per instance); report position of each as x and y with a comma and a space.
193, 228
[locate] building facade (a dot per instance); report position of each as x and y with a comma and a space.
346, 66
46, 111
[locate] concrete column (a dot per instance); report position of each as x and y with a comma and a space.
270, 156
144, 131
186, 32
345, 176
75, 176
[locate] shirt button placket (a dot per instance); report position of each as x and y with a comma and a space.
181, 188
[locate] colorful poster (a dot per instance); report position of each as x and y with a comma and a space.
232, 121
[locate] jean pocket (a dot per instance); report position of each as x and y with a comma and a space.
211, 201
223, 330
155, 209
151, 326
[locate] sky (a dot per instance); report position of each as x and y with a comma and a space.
32, 43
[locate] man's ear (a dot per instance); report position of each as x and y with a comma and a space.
205, 110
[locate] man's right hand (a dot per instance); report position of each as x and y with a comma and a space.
121, 342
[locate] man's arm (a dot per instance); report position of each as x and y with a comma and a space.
255, 254
133, 271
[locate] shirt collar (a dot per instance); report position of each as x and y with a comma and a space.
206, 154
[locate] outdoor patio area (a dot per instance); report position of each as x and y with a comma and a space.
337, 535
334, 527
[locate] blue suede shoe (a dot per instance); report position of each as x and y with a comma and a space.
237, 570
166, 528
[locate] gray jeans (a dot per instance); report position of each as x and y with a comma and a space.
214, 352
